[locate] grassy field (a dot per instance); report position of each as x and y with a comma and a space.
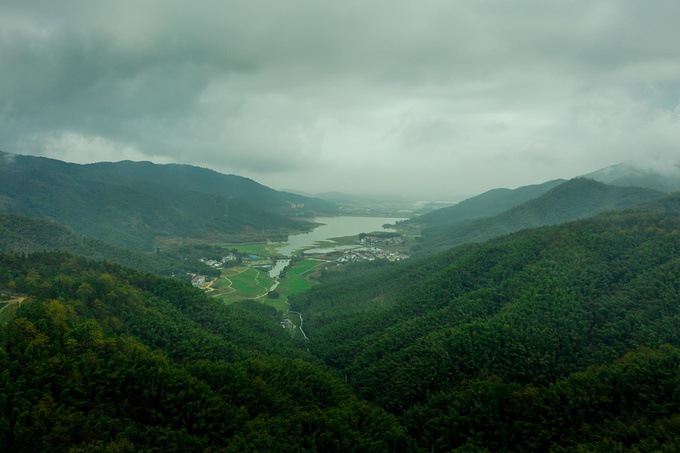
262, 250
295, 281
280, 304
251, 283
243, 282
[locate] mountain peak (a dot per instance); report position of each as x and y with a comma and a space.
651, 174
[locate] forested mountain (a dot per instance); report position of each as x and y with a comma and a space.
487, 204
574, 199
560, 338
496, 201
631, 175
154, 178
26, 235
101, 358
130, 203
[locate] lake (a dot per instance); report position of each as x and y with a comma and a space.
334, 227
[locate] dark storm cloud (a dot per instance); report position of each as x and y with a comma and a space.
429, 97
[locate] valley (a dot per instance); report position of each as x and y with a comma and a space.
270, 272
542, 318
339, 227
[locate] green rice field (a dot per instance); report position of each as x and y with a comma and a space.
295, 281
245, 282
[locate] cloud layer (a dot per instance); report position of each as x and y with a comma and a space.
434, 98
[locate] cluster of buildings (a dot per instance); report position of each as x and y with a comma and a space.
215, 263
198, 280
375, 240
371, 255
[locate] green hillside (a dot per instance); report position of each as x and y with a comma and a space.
487, 204
156, 179
101, 358
557, 338
574, 199
132, 203
496, 201
549, 339
26, 235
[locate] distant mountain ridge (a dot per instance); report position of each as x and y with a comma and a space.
495, 201
486, 204
571, 200
202, 180
131, 203
630, 175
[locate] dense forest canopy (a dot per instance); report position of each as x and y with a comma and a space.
486, 343
558, 338
20, 234
131, 203
101, 358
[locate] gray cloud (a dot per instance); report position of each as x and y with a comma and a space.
435, 98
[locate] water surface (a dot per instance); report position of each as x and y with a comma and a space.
334, 227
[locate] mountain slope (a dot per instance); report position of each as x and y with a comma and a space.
497, 345
487, 204
26, 235
577, 198
631, 175
101, 358
560, 338
131, 203
158, 178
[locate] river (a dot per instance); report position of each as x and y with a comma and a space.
275, 271
334, 227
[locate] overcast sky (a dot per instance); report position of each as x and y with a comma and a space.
440, 99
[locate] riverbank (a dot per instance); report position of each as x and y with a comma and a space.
271, 272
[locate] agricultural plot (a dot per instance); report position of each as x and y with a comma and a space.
281, 304
261, 250
245, 282
242, 283
295, 280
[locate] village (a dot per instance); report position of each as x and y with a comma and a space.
344, 257
247, 269
367, 247
371, 254
226, 261
231, 257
